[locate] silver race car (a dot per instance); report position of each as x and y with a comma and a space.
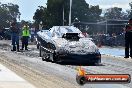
67, 43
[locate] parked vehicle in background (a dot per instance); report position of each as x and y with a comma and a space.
7, 34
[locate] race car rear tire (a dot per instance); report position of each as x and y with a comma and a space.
37, 46
45, 57
52, 57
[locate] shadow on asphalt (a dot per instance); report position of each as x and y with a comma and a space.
79, 64
75, 63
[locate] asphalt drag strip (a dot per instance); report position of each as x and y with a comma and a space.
59, 75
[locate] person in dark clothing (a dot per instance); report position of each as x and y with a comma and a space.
15, 36
1, 33
128, 40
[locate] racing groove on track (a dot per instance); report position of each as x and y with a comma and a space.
36, 70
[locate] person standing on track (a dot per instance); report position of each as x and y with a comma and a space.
128, 40
15, 35
25, 36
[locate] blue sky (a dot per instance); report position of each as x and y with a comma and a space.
28, 7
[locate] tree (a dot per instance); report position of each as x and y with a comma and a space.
53, 14
125, 15
116, 13
84, 12
40, 16
3, 17
130, 12
7, 13
94, 13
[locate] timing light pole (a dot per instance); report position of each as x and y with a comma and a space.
63, 16
70, 13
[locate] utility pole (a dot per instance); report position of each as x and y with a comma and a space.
40, 26
63, 15
106, 27
70, 13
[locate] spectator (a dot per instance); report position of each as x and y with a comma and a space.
128, 40
15, 35
25, 36
32, 31
1, 33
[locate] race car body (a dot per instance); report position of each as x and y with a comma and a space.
67, 43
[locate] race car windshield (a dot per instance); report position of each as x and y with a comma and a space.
69, 30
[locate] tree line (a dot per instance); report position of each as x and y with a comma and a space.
8, 12
53, 13
81, 12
